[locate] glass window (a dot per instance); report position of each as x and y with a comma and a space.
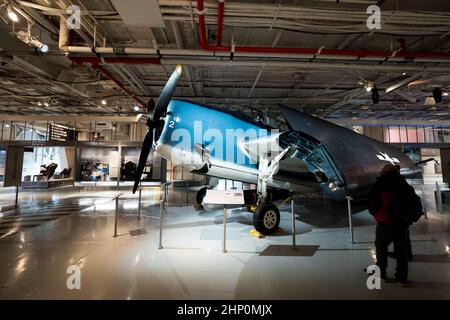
386, 134
420, 134
403, 134
394, 134
376, 133
28, 133
446, 134
2, 165
412, 134
438, 135
18, 131
429, 134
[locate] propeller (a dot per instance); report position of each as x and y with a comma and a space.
156, 122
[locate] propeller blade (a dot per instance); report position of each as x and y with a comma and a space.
153, 122
145, 151
167, 93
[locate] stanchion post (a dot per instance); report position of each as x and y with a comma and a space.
293, 224
424, 204
16, 204
350, 223
166, 187
160, 222
225, 229
139, 204
115, 217
438, 196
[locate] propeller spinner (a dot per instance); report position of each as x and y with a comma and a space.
155, 122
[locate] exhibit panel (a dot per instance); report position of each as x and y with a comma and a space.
46, 167
99, 164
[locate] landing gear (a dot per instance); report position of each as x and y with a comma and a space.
199, 198
266, 219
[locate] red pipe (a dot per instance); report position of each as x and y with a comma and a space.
117, 82
220, 12
312, 51
201, 23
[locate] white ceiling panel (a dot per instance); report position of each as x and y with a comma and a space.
142, 13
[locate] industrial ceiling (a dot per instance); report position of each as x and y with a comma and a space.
318, 56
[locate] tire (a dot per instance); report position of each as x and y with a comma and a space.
200, 195
266, 219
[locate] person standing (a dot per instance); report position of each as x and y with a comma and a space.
388, 204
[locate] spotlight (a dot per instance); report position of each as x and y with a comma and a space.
429, 101
404, 74
32, 41
12, 15
437, 95
46, 104
136, 108
445, 94
369, 87
375, 95
39, 104
44, 48
104, 103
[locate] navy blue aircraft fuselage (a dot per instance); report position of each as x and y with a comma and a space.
323, 155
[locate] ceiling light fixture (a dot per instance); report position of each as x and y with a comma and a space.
39, 103
404, 74
46, 104
429, 101
369, 86
32, 41
445, 94
104, 103
12, 15
136, 108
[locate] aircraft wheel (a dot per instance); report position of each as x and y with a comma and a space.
200, 195
266, 219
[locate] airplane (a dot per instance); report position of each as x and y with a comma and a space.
304, 154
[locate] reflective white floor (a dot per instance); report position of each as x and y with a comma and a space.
56, 229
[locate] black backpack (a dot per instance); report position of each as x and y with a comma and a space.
415, 210
406, 208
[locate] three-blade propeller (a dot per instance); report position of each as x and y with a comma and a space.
156, 122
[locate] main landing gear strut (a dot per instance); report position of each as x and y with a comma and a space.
266, 218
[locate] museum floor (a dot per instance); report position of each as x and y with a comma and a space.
55, 229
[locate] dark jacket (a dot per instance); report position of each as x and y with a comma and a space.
388, 198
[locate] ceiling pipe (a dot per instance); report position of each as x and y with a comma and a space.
113, 60
406, 55
118, 83
220, 14
202, 25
